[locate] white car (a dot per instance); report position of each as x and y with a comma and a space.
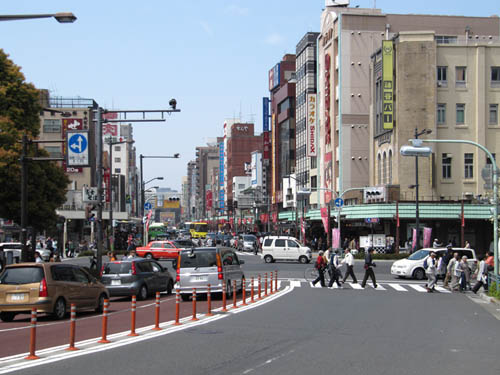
285, 248
413, 266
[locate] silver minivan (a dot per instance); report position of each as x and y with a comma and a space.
198, 267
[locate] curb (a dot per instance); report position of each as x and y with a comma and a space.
488, 299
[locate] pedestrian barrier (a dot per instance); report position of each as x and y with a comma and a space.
132, 317
265, 284
234, 295
251, 292
209, 302
276, 281
72, 328
177, 307
194, 305
243, 292
271, 283
104, 339
260, 287
157, 313
224, 287
32, 354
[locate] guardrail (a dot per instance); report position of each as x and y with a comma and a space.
492, 278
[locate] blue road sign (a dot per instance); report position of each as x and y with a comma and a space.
77, 143
339, 202
148, 206
371, 220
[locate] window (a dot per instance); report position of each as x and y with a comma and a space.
241, 186
144, 266
118, 148
80, 276
379, 169
469, 166
292, 243
446, 165
390, 167
118, 160
280, 243
314, 182
118, 170
460, 114
446, 39
314, 162
442, 80
441, 113
268, 242
488, 160
495, 76
493, 114
51, 126
384, 168
54, 151
460, 76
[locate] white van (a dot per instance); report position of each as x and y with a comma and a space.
284, 248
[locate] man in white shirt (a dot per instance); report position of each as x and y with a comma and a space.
349, 261
431, 272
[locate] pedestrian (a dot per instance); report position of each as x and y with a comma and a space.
431, 271
456, 280
131, 254
436, 243
450, 268
349, 262
38, 258
467, 245
369, 264
490, 261
327, 256
320, 265
482, 276
333, 269
465, 277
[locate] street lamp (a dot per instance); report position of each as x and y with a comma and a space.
65, 17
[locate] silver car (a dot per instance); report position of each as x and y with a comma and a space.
196, 268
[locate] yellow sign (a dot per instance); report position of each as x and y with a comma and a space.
388, 84
171, 204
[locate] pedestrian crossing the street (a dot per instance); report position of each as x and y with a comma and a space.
383, 286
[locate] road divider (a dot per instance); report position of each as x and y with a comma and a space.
234, 295
133, 317
157, 312
72, 328
209, 302
104, 339
194, 318
32, 354
243, 292
177, 307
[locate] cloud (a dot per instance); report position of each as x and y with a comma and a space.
206, 27
237, 10
274, 39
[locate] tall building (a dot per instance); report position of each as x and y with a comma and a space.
207, 158
185, 199
306, 114
192, 181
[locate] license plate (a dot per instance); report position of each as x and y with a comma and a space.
199, 278
116, 282
17, 296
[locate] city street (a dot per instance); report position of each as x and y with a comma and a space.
390, 330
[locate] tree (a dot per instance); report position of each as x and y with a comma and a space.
47, 182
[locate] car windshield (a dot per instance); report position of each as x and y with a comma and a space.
248, 238
22, 275
201, 227
418, 255
211, 235
116, 268
198, 258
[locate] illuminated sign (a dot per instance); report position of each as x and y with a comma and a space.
274, 76
311, 125
387, 84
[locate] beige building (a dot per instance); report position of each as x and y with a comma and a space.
449, 84
349, 37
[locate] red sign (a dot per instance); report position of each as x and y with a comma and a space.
208, 198
275, 217
107, 183
327, 100
110, 115
267, 146
70, 124
324, 218
110, 129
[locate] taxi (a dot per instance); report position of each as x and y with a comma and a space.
159, 250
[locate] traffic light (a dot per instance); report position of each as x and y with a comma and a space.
174, 199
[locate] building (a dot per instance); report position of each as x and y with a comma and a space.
167, 204
207, 158
185, 199
192, 180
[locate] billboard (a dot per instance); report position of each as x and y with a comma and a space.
274, 76
265, 114
311, 125
256, 167
221, 175
387, 84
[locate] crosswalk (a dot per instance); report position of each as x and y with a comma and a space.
383, 286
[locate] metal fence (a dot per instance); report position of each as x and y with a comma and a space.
492, 278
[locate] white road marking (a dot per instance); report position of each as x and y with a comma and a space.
418, 288
379, 287
355, 286
294, 283
398, 287
442, 290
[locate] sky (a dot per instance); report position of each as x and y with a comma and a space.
212, 57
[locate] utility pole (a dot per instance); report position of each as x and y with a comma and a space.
24, 198
99, 171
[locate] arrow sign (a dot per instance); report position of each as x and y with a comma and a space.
148, 206
339, 202
77, 148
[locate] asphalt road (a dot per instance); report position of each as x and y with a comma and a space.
318, 331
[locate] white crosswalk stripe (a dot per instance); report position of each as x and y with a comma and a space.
418, 288
398, 287
355, 286
379, 287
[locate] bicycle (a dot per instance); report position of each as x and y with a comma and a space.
311, 274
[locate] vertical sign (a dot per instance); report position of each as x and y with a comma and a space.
273, 155
221, 175
387, 84
328, 134
265, 114
311, 125
70, 124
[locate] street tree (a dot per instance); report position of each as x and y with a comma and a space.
47, 182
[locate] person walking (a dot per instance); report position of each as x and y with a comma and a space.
369, 269
456, 279
482, 276
349, 262
431, 272
334, 269
450, 272
465, 276
320, 265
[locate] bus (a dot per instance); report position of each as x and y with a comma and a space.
198, 229
157, 231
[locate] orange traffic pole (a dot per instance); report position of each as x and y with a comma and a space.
265, 284
251, 292
260, 285
132, 320
209, 302
177, 307
243, 292
194, 305
224, 286
271, 282
32, 354
104, 339
72, 329
234, 294
157, 313
276, 281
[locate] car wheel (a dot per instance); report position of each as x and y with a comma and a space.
60, 309
7, 316
419, 274
143, 293
268, 259
303, 259
185, 297
170, 287
149, 256
100, 304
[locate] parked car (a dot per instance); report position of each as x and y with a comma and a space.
184, 244
136, 276
196, 268
285, 248
158, 250
248, 242
413, 266
50, 287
